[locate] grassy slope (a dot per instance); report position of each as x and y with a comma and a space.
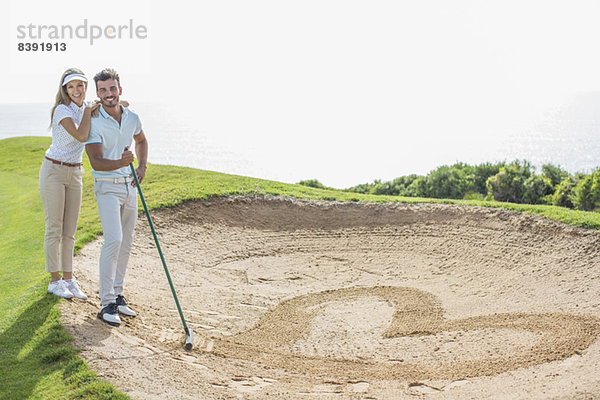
36, 358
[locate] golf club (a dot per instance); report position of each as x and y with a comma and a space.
189, 335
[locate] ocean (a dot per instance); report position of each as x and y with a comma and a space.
567, 134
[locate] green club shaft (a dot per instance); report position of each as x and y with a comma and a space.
162, 258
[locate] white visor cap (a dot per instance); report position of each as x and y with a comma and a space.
72, 77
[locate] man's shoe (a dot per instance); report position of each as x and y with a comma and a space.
74, 288
110, 315
59, 288
124, 308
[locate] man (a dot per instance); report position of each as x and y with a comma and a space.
110, 137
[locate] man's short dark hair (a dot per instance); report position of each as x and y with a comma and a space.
106, 74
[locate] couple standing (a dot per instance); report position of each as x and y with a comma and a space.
106, 137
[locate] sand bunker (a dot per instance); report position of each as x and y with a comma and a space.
292, 299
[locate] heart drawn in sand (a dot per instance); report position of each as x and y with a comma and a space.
416, 313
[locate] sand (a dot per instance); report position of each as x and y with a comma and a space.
293, 299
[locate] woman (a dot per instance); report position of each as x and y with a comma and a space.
61, 180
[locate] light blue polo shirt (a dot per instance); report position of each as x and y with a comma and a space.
114, 137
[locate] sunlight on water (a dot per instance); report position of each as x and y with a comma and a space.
566, 133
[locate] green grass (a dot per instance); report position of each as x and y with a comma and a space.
37, 359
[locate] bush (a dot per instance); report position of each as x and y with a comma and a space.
536, 189
364, 188
564, 192
515, 182
385, 188
555, 173
397, 187
586, 194
481, 173
418, 188
312, 183
453, 182
448, 182
401, 184
509, 184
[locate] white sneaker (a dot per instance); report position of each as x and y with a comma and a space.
110, 315
124, 308
74, 288
59, 288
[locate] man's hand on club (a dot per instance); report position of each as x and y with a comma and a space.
127, 157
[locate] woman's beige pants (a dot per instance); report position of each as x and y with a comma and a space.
60, 188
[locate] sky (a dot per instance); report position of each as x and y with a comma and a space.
324, 76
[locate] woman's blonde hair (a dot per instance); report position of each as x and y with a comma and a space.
62, 97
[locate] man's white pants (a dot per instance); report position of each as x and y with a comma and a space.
117, 207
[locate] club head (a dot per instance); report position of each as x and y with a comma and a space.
189, 339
